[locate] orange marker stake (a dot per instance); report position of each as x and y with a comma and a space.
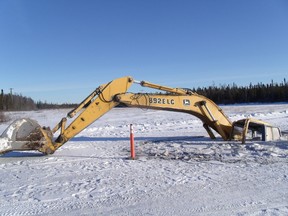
132, 146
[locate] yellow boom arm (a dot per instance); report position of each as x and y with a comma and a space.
93, 107
109, 95
197, 105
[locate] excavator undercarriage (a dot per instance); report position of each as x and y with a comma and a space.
27, 134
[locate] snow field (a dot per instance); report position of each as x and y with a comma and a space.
178, 170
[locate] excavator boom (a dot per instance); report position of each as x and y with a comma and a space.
206, 110
27, 134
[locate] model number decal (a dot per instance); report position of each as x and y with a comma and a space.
161, 101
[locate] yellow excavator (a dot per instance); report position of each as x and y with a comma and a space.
27, 134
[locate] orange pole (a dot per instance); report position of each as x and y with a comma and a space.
132, 146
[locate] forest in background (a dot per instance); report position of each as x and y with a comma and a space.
259, 93
15, 102
223, 94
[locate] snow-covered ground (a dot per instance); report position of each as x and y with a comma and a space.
178, 170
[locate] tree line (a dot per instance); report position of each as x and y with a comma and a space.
223, 94
17, 102
12, 102
258, 93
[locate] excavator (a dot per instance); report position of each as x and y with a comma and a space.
26, 134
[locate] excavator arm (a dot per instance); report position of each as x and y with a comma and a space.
26, 134
208, 112
181, 100
107, 96
110, 95
92, 108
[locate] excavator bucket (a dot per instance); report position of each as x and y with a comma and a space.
26, 134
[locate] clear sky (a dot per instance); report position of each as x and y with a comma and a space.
61, 50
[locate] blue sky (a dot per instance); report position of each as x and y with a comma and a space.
61, 50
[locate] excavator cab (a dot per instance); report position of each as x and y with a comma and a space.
253, 129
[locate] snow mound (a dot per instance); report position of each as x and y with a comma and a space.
207, 150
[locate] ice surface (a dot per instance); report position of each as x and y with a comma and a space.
179, 170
